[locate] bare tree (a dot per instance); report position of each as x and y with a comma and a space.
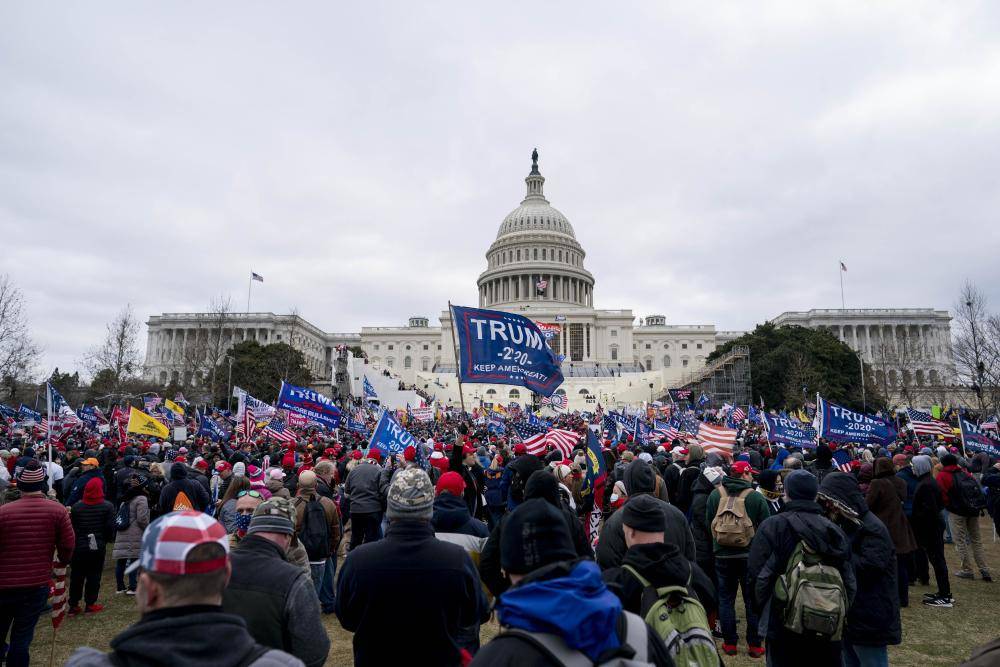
202, 355
896, 363
976, 347
18, 352
118, 355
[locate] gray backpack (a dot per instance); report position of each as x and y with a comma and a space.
553, 646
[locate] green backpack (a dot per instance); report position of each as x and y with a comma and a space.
680, 620
813, 595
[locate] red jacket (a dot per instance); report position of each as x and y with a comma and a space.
946, 480
31, 529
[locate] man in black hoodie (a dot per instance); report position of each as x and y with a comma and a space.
661, 564
182, 619
182, 492
873, 618
640, 480
772, 546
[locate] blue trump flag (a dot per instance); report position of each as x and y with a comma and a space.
503, 348
356, 425
788, 432
838, 424
368, 388
976, 439
310, 404
390, 437
26, 414
209, 427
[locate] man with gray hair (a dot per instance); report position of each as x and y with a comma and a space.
409, 575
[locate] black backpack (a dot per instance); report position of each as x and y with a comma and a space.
966, 496
122, 519
315, 533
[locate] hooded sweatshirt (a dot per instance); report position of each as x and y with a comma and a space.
92, 516
662, 565
184, 636
180, 482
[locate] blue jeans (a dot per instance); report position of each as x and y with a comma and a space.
947, 526
856, 655
732, 573
323, 576
19, 612
120, 565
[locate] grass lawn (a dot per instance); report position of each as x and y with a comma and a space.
930, 636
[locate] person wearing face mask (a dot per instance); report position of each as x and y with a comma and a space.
277, 599
246, 502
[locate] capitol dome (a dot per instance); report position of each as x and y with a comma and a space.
535, 256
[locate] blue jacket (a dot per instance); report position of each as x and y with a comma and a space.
906, 474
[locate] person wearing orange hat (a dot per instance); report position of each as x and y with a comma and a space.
89, 469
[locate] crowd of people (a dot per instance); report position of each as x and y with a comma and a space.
231, 548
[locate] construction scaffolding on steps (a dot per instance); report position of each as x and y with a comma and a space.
725, 380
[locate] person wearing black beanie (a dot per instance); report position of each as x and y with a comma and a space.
559, 599
823, 464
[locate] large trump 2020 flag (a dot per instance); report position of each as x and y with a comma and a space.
502, 348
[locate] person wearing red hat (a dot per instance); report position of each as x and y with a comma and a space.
465, 462
93, 520
520, 449
731, 555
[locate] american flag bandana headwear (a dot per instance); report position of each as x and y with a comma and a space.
167, 542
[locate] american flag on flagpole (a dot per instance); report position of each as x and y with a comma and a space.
276, 429
738, 414
842, 459
556, 401
924, 424
717, 439
537, 439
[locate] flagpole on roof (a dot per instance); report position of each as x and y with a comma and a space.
843, 269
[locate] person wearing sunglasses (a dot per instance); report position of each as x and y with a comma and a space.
246, 502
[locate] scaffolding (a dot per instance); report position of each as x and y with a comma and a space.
725, 380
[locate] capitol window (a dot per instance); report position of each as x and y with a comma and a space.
426, 346
666, 361
376, 346
684, 363
535, 253
407, 362
425, 364
699, 346
514, 394
543, 253
519, 254
614, 333
614, 353
684, 346
439, 348
490, 393
407, 347
649, 346
649, 364
666, 346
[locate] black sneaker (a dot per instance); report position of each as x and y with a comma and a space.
944, 603
986, 576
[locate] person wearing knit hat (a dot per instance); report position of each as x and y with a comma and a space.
554, 593
773, 544
409, 574
239, 469
284, 613
93, 520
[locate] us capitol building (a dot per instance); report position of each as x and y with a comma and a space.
535, 267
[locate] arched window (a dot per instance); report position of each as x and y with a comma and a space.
920, 378
666, 361
543, 253
583, 392
513, 394
519, 254
535, 253
407, 362
490, 393
425, 364
935, 377
163, 377
560, 255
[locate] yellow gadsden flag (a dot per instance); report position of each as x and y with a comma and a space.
141, 423
173, 407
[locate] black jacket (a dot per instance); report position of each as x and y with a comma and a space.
413, 576
192, 635
451, 515
75, 493
926, 520
773, 545
672, 479
662, 565
700, 529
179, 481
471, 475
685, 486
873, 619
97, 519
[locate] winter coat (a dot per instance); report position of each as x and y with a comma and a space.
76, 491
885, 497
873, 618
689, 475
756, 507
493, 488
179, 482
821, 469
277, 600
183, 636
515, 478
910, 480
334, 525
991, 482
97, 520
662, 565
128, 542
672, 479
567, 599
451, 515
363, 488
408, 575
773, 545
700, 529
927, 522
31, 529
473, 478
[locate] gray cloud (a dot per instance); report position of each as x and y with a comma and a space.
716, 162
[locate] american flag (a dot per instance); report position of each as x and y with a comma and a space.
842, 459
249, 425
668, 430
542, 285
276, 430
609, 423
688, 422
717, 439
738, 414
556, 401
58, 593
990, 424
538, 439
924, 424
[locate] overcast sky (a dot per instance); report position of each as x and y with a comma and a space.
717, 160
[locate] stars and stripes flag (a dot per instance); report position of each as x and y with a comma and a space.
556, 401
256, 276
609, 423
669, 430
249, 425
537, 439
924, 424
277, 430
738, 414
542, 285
717, 439
990, 424
842, 459
57, 593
